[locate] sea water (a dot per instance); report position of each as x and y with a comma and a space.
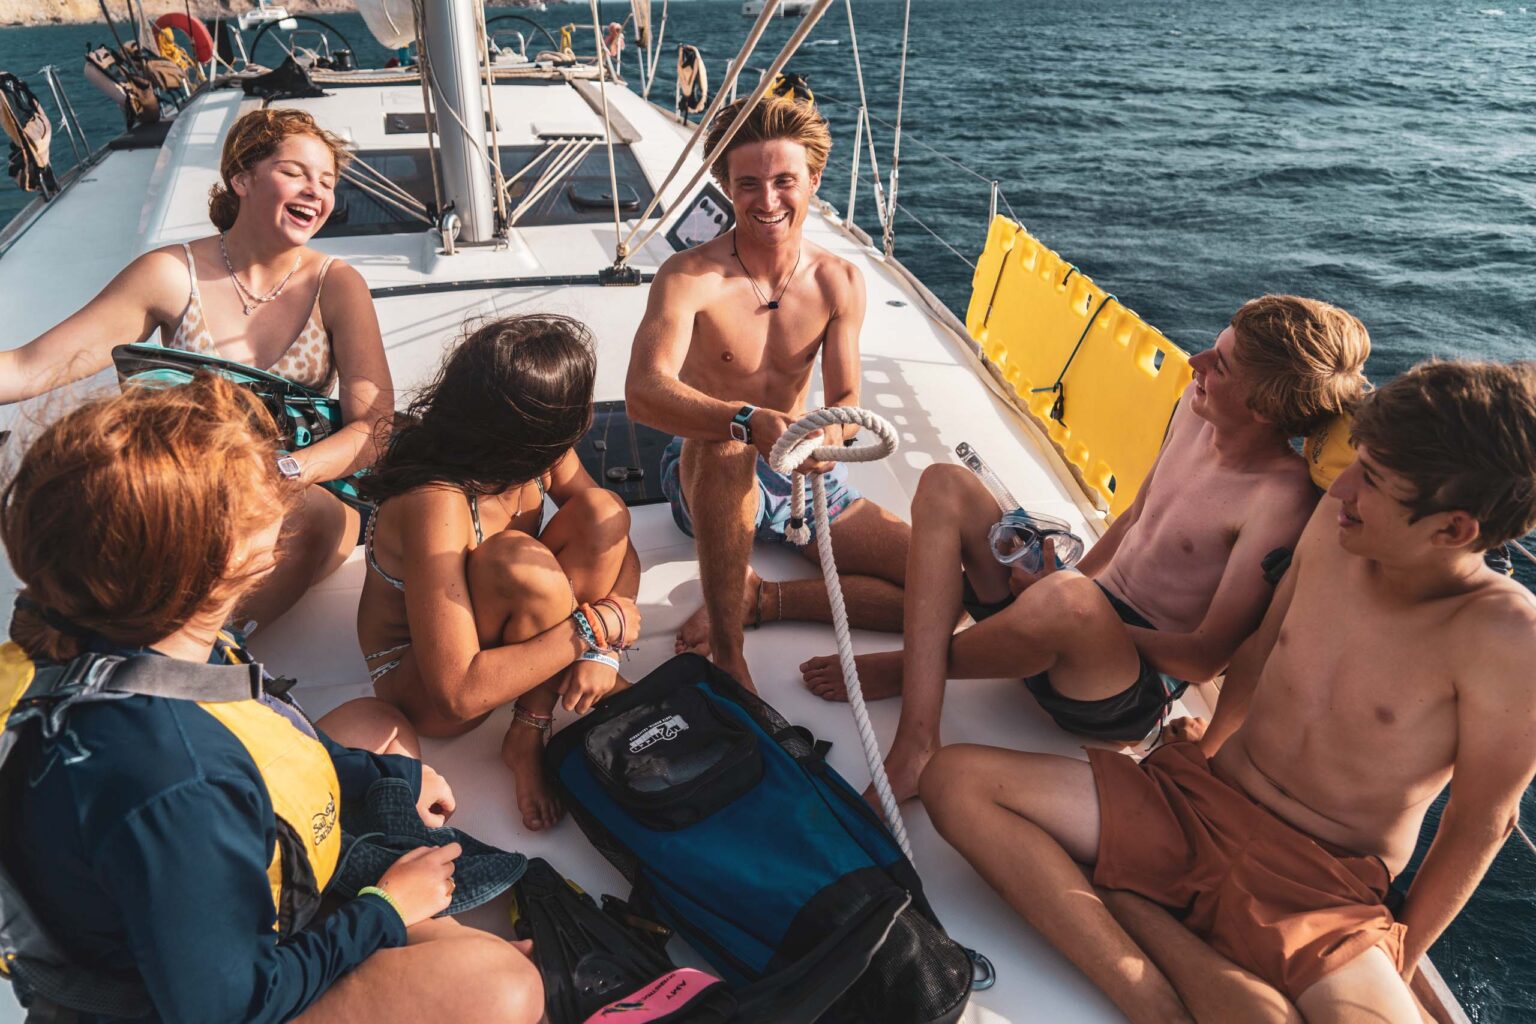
1185, 155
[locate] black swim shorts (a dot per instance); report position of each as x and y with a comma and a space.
1129, 715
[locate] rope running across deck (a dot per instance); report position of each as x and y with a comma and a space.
792, 448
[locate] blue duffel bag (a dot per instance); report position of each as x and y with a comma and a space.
735, 832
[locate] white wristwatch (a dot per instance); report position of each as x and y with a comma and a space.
289, 466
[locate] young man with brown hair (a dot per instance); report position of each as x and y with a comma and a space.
1172, 587
1392, 661
723, 359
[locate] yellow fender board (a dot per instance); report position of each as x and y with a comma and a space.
1042, 323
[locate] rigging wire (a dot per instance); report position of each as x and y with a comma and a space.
604, 70
807, 23
869, 132
498, 185
651, 68
760, 26
430, 124
901, 94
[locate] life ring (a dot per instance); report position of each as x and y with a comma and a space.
193, 29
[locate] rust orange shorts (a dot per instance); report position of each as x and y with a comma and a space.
1264, 894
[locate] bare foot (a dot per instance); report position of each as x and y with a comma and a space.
523, 751
737, 670
879, 676
693, 636
904, 766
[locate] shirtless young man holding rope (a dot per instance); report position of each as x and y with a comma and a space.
1392, 661
723, 359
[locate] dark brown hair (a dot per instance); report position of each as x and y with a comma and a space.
776, 117
124, 514
1304, 360
509, 401
253, 138
1464, 435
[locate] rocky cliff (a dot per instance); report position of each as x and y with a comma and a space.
57, 12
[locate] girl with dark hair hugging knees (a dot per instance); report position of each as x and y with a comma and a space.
472, 600
175, 841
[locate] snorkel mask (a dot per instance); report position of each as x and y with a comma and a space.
1019, 539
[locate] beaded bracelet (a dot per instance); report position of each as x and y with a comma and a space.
599, 625
373, 890
601, 657
584, 629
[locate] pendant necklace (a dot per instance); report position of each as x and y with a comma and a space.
765, 300
249, 300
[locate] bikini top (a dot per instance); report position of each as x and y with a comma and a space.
307, 360
474, 515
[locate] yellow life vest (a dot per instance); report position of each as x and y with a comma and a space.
295, 768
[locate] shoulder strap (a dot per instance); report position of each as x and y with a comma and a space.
320, 285
54, 689
191, 266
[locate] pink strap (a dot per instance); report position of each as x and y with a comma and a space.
657, 1001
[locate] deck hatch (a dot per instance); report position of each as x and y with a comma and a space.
622, 455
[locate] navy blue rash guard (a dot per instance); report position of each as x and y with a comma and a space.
151, 854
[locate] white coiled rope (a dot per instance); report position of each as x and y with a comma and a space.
791, 449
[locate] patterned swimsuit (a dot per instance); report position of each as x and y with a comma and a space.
306, 361
396, 653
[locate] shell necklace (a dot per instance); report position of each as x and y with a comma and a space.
249, 300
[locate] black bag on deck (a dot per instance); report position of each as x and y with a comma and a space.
735, 832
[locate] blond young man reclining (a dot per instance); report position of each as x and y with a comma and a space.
1174, 585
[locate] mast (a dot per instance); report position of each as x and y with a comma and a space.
452, 55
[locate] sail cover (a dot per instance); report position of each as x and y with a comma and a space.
390, 21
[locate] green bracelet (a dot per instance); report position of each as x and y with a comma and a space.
383, 895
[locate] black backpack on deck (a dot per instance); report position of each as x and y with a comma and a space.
735, 832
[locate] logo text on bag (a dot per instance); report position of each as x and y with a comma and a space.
666, 729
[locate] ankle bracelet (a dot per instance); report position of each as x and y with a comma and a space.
522, 716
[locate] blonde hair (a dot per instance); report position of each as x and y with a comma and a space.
1304, 359
776, 117
254, 137
124, 515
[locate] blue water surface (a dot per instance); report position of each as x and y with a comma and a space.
1187, 156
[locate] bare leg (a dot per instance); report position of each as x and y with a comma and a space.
445, 971
317, 537
588, 541
870, 546
1214, 988
719, 484
1022, 820
951, 513
1367, 990
369, 723
519, 590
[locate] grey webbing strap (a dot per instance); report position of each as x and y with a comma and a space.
153, 676
95, 677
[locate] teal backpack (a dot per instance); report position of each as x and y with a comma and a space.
303, 415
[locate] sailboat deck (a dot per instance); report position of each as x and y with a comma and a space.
917, 371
